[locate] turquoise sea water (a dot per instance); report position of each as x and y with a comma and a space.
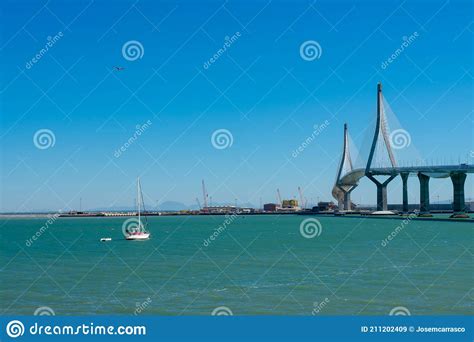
256, 265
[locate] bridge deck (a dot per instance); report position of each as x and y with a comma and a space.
439, 171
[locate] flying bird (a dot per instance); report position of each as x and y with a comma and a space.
119, 68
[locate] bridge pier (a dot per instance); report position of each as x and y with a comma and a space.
345, 202
381, 191
424, 193
347, 199
459, 205
404, 176
381, 197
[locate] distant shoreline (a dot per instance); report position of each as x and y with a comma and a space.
331, 214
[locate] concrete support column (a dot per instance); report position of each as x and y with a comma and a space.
459, 205
404, 176
381, 192
347, 200
381, 197
340, 204
424, 193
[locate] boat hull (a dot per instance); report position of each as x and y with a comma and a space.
143, 236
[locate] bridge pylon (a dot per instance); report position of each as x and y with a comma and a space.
344, 201
381, 129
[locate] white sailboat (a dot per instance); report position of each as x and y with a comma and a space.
140, 233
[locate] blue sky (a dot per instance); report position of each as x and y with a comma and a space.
260, 89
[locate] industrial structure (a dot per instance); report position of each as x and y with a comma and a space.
286, 205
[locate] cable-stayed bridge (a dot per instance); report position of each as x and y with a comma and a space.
348, 176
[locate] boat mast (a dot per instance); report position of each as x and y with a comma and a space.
138, 202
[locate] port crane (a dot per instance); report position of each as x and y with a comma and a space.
204, 194
279, 198
303, 202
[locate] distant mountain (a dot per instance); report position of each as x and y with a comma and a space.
115, 208
242, 205
165, 206
172, 205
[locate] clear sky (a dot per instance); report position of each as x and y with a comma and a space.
260, 89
